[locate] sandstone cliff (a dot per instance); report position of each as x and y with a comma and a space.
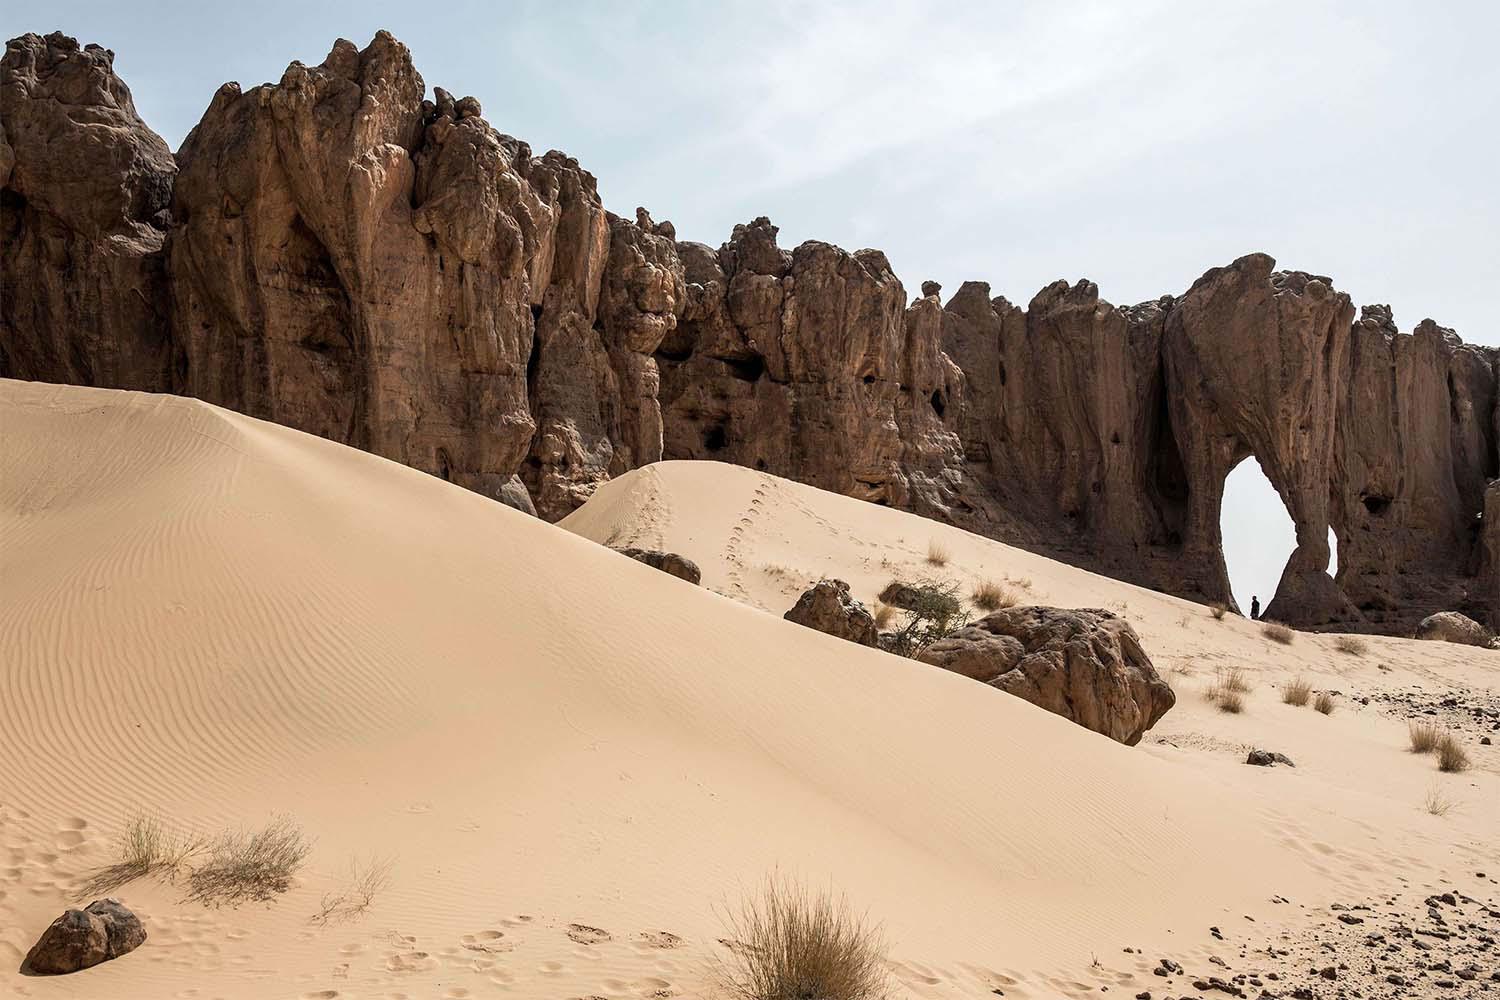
339, 253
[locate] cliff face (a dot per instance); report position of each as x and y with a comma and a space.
339, 254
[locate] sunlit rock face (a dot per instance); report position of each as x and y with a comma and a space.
342, 253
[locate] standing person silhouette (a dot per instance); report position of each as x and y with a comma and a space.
1254, 607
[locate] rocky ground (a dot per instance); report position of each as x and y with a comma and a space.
1465, 710
1402, 945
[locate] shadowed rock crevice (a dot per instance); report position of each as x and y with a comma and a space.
341, 254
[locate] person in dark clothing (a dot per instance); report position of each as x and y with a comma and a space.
1254, 608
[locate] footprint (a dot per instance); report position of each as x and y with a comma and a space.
486, 941
321, 995
661, 939
584, 934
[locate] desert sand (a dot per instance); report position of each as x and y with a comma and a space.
570, 761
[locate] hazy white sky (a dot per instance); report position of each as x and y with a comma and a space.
1134, 144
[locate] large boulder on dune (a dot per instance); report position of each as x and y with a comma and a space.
78, 939
829, 607
1086, 665
1450, 626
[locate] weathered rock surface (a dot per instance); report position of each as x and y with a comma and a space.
78, 939
1450, 626
338, 253
1086, 665
668, 562
1268, 758
85, 191
829, 607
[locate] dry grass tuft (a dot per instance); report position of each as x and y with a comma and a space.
1229, 690
1351, 644
1424, 736
937, 553
1231, 701
352, 901
1277, 632
992, 596
1436, 802
145, 847
1218, 609
884, 615
250, 867
1323, 703
791, 943
1296, 693
1452, 757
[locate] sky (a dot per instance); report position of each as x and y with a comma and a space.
1137, 145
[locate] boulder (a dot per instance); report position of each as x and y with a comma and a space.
668, 562
1450, 626
1268, 758
829, 607
1086, 665
103, 930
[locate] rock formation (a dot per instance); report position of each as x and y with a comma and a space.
829, 607
1450, 626
338, 253
78, 939
1086, 665
668, 562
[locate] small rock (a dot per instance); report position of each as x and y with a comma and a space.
668, 562
1268, 758
78, 939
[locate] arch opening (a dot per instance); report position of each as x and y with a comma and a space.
1258, 535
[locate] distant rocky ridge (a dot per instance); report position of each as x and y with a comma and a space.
339, 254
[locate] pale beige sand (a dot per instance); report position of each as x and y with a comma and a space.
222, 619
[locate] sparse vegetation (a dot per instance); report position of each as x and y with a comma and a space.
1323, 704
146, 847
884, 615
1436, 802
1452, 757
1231, 701
788, 943
365, 881
931, 610
1351, 644
250, 867
1218, 609
992, 596
1296, 693
937, 553
1424, 736
1277, 632
1229, 690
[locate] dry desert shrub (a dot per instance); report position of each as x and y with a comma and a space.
992, 596
1451, 754
249, 867
1351, 644
1218, 609
1296, 693
1229, 690
365, 881
937, 553
1424, 736
1277, 632
146, 847
884, 614
1323, 703
790, 944
1436, 802
931, 610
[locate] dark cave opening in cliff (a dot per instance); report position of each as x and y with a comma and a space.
1258, 535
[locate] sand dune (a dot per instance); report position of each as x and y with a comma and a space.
569, 758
